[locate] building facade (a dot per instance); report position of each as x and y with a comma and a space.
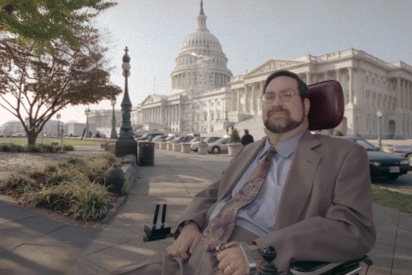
205, 98
369, 84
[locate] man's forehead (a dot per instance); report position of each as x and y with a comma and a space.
273, 91
281, 83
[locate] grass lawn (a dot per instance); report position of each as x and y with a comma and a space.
66, 141
396, 200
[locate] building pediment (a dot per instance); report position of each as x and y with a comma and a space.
152, 99
272, 65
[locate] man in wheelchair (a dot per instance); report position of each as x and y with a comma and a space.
306, 195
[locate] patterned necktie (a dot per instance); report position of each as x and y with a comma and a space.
219, 229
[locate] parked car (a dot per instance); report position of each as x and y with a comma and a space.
18, 135
196, 139
170, 137
218, 146
182, 139
159, 138
382, 164
405, 151
194, 145
148, 136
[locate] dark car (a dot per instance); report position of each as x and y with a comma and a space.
149, 136
405, 151
382, 164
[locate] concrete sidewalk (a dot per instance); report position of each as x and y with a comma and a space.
32, 242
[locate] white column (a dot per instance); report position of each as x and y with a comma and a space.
350, 85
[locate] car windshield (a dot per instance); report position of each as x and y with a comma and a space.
367, 145
221, 140
210, 139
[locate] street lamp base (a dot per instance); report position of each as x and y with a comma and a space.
125, 147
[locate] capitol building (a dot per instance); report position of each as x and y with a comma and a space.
206, 98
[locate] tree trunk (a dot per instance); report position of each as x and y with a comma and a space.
31, 138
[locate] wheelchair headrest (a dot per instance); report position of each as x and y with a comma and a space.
326, 105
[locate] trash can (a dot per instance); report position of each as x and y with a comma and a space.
145, 153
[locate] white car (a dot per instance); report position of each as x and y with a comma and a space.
194, 145
219, 146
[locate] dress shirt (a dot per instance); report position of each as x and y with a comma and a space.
259, 216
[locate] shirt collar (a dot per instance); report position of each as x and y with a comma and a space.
286, 148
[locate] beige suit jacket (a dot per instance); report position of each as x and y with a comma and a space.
325, 212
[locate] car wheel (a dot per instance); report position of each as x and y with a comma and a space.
215, 150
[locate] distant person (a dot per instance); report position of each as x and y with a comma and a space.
246, 138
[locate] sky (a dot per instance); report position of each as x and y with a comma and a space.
250, 32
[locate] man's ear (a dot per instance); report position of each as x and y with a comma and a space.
306, 104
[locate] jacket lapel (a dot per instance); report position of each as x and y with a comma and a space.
298, 183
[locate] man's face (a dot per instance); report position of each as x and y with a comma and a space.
282, 117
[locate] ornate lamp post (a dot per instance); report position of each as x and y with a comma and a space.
126, 144
113, 134
87, 112
379, 116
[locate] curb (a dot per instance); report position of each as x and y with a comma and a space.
129, 169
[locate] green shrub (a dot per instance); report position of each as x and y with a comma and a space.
33, 149
234, 136
74, 186
10, 147
81, 200
38, 148
68, 148
18, 184
56, 173
19, 149
338, 133
45, 148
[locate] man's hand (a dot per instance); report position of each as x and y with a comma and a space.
187, 241
232, 261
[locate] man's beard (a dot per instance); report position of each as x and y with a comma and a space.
283, 126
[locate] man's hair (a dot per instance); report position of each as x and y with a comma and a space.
302, 87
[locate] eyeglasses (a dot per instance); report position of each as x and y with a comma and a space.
285, 96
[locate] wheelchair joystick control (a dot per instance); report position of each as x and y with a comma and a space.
269, 255
155, 231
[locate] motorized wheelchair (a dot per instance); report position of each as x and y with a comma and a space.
326, 112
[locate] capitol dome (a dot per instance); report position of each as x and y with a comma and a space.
201, 63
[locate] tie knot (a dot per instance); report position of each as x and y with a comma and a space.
271, 151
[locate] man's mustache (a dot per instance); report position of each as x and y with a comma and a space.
278, 110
